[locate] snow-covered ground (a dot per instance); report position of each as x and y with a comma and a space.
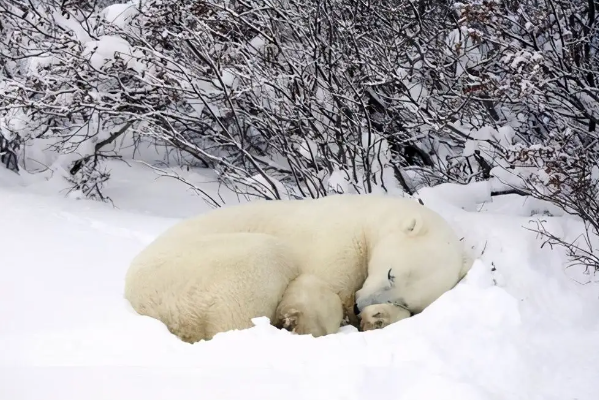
520, 326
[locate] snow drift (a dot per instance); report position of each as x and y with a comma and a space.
520, 326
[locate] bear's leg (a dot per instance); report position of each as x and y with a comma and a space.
378, 316
309, 307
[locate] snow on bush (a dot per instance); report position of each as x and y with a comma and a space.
303, 99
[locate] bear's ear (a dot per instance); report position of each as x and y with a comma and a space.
414, 225
410, 225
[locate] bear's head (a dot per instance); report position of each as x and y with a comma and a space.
392, 261
384, 284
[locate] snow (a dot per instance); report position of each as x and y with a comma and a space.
256, 44
338, 182
228, 78
461, 40
519, 326
71, 23
103, 51
119, 14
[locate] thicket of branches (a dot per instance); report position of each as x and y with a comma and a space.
290, 98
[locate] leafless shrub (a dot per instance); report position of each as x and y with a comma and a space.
289, 98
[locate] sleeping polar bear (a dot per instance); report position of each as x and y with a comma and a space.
304, 264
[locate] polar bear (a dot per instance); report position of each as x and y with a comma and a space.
302, 263
200, 285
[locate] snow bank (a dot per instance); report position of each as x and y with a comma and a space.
518, 327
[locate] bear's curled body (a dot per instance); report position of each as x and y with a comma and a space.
216, 271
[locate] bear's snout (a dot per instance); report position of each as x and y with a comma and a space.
356, 309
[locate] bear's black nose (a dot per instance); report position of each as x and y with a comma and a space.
356, 309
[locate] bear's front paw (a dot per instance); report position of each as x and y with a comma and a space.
378, 316
299, 322
378, 320
290, 320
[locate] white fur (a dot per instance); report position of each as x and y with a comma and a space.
378, 316
215, 272
309, 307
200, 285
